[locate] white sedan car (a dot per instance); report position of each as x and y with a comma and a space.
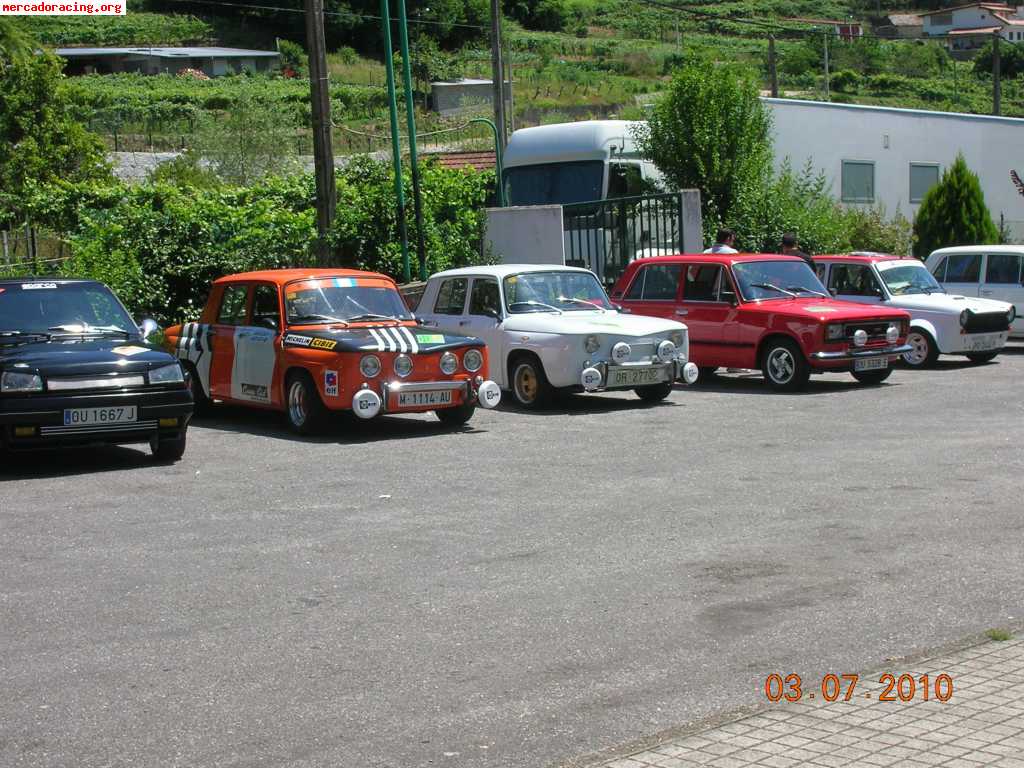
940, 322
552, 328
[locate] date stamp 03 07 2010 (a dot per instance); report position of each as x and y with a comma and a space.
833, 687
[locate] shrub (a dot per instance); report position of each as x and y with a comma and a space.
293, 58
846, 80
953, 212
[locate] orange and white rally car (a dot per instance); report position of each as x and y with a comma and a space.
309, 341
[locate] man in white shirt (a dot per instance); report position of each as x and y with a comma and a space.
723, 242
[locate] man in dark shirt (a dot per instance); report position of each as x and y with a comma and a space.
791, 248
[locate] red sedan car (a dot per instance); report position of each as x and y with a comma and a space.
764, 311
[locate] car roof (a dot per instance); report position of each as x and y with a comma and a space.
504, 270
717, 258
282, 276
979, 249
865, 257
45, 279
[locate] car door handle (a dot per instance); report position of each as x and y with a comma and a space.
429, 323
986, 293
682, 312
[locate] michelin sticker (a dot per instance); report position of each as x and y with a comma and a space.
299, 341
331, 383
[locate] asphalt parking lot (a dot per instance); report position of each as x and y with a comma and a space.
530, 589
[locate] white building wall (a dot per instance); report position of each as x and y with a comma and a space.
964, 18
826, 134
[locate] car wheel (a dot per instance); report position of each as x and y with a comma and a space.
872, 377
530, 386
924, 352
654, 392
201, 403
303, 407
169, 449
457, 416
982, 357
784, 366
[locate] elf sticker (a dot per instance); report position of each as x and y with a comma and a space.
331, 383
430, 338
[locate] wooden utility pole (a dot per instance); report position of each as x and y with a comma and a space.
773, 74
828, 89
497, 72
997, 86
323, 151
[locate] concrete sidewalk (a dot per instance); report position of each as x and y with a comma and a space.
982, 724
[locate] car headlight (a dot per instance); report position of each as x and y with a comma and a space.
13, 381
892, 334
860, 337
369, 366
834, 332
591, 344
964, 317
666, 351
1011, 314
403, 365
449, 363
167, 374
473, 360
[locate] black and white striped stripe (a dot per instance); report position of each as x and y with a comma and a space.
394, 339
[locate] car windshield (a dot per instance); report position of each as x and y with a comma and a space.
562, 183
343, 299
54, 308
554, 292
907, 277
777, 280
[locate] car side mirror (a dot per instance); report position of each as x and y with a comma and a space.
148, 327
267, 321
492, 313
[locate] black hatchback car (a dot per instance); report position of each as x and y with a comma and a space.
75, 369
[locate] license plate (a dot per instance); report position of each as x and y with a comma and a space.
984, 343
636, 377
428, 397
92, 417
871, 364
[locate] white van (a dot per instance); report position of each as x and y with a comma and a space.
575, 163
988, 271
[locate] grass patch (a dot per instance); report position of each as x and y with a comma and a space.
998, 635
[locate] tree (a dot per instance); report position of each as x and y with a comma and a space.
710, 132
15, 43
953, 212
1011, 60
40, 141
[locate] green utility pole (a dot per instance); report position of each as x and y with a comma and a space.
497, 157
410, 116
396, 148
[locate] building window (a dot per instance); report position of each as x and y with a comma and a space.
858, 182
942, 20
923, 176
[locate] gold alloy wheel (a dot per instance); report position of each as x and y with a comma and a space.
526, 383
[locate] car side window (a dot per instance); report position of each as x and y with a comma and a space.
656, 282
701, 282
232, 305
725, 290
963, 268
484, 300
451, 297
939, 273
265, 310
853, 280
1002, 268
821, 269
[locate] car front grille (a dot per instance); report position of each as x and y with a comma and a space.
986, 322
94, 429
874, 328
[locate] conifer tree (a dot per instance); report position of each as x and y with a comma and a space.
953, 212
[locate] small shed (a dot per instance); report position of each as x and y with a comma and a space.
904, 26
462, 96
156, 60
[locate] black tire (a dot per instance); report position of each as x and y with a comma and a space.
457, 416
925, 351
201, 403
169, 449
303, 408
872, 377
530, 386
706, 373
654, 392
784, 366
982, 357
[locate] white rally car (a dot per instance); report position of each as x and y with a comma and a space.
551, 328
940, 322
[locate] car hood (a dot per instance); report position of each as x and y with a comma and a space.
828, 310
610, 322
948, 302
83, 358
378, 338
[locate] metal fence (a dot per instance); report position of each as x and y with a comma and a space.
606, 235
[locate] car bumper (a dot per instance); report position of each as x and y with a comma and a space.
422, 396
848, 356
969, 343
38, 422
604, 376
